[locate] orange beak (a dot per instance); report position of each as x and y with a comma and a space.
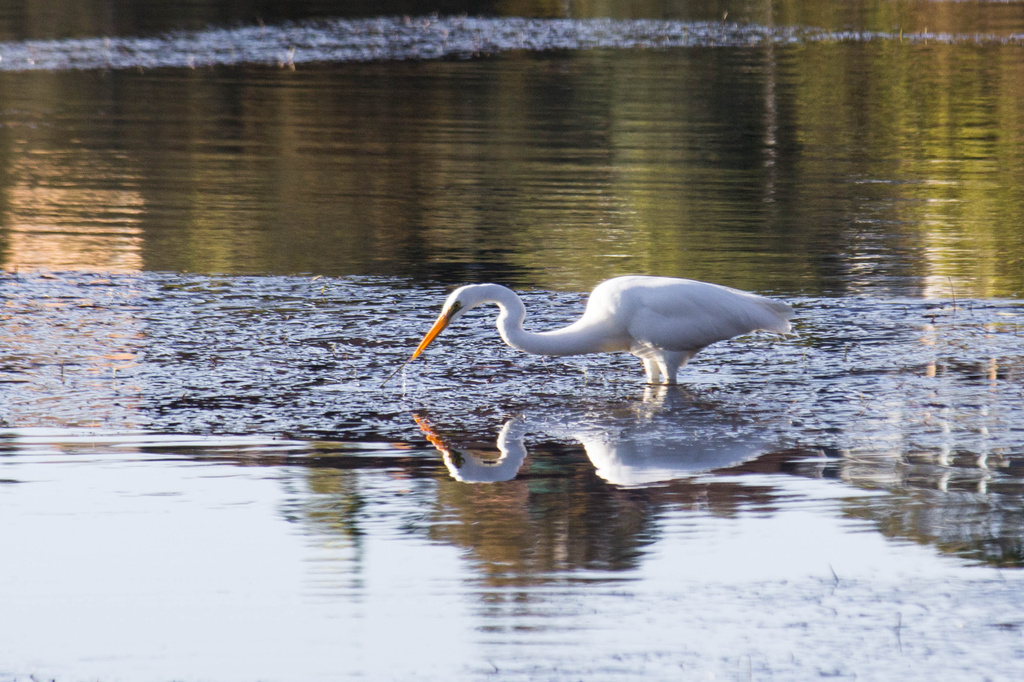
442, 321
439, 326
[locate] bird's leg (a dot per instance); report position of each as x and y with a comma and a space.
668, 371
671, 362
652, 369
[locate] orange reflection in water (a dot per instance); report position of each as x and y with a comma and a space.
66, 214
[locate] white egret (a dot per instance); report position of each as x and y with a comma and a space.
664, 321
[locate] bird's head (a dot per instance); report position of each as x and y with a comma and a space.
459, 302
454, 308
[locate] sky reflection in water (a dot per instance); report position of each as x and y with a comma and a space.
296, 550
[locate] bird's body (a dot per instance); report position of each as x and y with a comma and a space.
661, 320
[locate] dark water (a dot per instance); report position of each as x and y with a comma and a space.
221, 228
806, 168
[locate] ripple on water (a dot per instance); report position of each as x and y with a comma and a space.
433, 37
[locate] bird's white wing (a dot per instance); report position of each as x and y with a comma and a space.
685, 315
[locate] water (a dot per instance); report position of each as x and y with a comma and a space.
221, 230
431, 37
704, 163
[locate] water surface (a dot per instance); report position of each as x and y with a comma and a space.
538, 168
222, 228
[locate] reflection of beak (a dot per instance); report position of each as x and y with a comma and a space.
428, 431
442, 321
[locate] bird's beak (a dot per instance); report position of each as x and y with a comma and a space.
442, 321
439, 326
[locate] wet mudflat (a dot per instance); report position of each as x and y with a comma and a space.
218, 235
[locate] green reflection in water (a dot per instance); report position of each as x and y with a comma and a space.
811, 168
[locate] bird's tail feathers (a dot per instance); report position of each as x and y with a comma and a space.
781, 312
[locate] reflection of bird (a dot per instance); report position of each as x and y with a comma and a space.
472, 466
651, 453
624, 451
661, 320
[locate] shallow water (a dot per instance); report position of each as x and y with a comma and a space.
218, 237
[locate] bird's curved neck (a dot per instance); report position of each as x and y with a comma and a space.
571, 340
